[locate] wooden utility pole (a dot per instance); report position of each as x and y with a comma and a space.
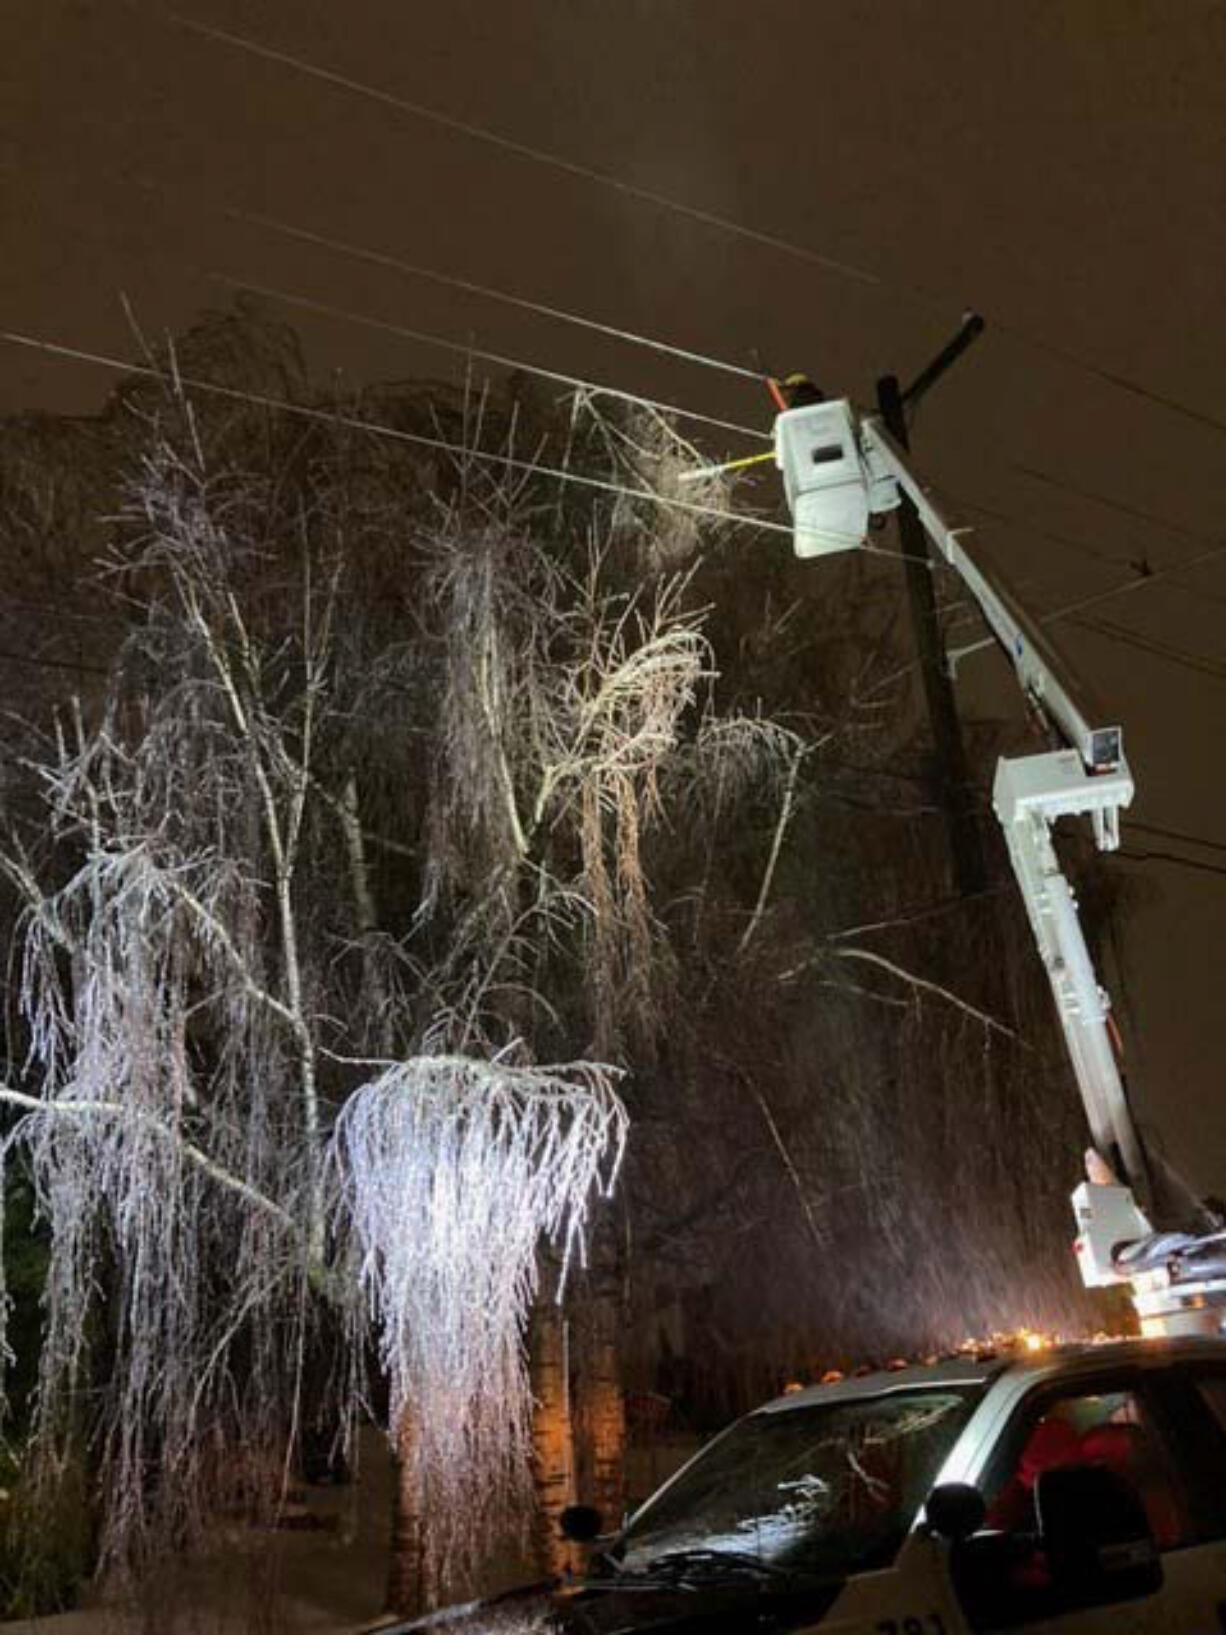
952, 781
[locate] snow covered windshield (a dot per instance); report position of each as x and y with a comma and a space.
826, 1489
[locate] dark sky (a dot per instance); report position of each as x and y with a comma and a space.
1059, 166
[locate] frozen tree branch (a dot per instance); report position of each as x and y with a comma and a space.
768, 875
788, 1162
431, 1155
67, 1106
217, 930
923, 984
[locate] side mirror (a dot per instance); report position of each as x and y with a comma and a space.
954, 1510
580, 1523
1096, 1535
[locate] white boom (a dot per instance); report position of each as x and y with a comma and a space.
839, 471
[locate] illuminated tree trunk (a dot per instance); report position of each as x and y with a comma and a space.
408, 1589
407, 1571
553, 1446
600, 1407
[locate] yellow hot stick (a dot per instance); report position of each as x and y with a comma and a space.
728, 465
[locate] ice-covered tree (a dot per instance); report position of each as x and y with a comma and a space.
251, 1115
317, 886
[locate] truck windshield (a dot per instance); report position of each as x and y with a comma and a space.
820, 1488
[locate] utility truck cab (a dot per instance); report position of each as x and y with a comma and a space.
1078, 1489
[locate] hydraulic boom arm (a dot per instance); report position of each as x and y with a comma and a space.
839, 472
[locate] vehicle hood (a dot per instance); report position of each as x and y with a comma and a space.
702, 1609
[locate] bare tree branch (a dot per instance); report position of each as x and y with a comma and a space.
926, 986
64, 1106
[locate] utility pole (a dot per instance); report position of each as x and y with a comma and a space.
952, 780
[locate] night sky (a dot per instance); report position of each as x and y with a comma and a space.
1060, 167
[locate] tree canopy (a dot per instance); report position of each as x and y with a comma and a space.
393, 827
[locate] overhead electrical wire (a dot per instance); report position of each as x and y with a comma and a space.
1142, 573
522, 150
659, 345
420, 439
708, 218
1174, 858
470, 349
1037, 474
1175, 655
415, 270
1161, 650
1064, 540
311, 304
1140, 581
1198, 662
573, 318
452, 282
382, 258
484, 291
1180, 835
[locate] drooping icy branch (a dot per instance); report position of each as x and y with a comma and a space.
452, 1172
68, 1107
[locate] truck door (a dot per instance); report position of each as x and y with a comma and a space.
1008, 1579
1190, 1400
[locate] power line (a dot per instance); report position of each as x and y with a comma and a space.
1065, 540
1125, 384
1063, 484
486, 291
708, 218
489, 292
467, 286
1142, 574
430, 274
1173, 858
1136, 512
553, 312
380, 258
1175, 655
525, 150
467, 349
573, 381
1140, 582
419, 439
1180, 835
1196, 662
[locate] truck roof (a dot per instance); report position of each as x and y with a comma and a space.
979, 1368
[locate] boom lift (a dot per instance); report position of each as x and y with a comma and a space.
841, 471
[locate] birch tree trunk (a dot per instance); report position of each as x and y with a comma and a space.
600, 1409
553, 1446
408, 1589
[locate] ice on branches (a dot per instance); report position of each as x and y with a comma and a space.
452, 1173
371, 785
